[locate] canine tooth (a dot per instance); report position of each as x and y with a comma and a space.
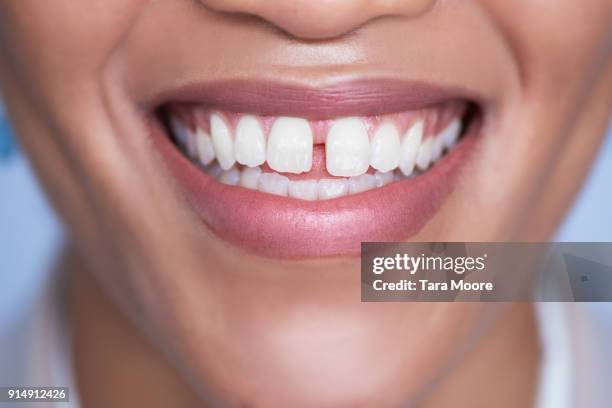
249, 177
273, 183
304, 189
290, 145
361, 183
451, 133
249, 142
230, 177
382, 179
410, 146
385, 147
206, 151
347, 148
222, 141
424, 154
332, 188
437, 147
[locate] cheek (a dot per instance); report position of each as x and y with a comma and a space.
52, 60
554, 41
56, 46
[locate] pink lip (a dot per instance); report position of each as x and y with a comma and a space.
365, 97
283, 227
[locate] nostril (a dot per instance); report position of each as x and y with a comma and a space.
320, 19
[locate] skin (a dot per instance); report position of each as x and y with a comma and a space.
165, 309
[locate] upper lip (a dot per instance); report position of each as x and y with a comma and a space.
361, 97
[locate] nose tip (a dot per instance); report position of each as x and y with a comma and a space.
320, 19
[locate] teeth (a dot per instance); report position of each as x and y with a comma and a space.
451, 133
249, 143
289, 148
361, 183
206, 151
332, 188
273, 183
179, 131
222, 141
437, 147
385, 147
192, 148
347, 148
185, 137
409, 147
230, 177
290, 145
382, 179
215, 170
250, 177
304, 189
424, 154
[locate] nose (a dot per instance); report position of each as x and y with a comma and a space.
320, 19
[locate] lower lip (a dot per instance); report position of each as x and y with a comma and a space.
282, 227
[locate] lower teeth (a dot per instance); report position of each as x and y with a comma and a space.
254, 178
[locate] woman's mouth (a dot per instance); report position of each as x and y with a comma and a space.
281, 184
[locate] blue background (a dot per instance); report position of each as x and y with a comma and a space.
30, 234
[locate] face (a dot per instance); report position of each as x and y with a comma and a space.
219, 162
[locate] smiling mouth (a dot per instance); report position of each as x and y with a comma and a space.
284, 184
315, 160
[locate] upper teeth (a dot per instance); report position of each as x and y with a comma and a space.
347, 149
206, 150
222, 141
424, 154
288, 148
290, 145
250, 144
185, 136
410, 147
385, 148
